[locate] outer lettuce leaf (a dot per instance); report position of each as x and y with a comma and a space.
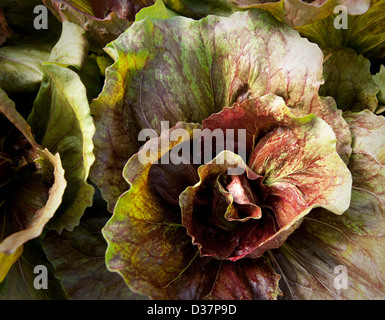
349, 81
11, 247
61, 121
353, 240
104, 21
223, 60
298, 13
167, 265
365, 32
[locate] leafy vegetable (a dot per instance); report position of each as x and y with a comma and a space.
365, 33
179, 149
30, 201
300, 175
221, 62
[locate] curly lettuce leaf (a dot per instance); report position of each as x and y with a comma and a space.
298, 13
158, 10
354, 240
61, 121
223, 60
11, 246
32, 185
349, 81
20, 66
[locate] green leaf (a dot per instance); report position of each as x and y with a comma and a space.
298, 13
349, 81
62, 123
354, 240
159, 74
158, 10
20, 66
365, 32
72, 47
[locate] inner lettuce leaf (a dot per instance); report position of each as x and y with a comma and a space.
311, 258
104, 20
159, 74
32, 183
365, 33
61, 121
178, 220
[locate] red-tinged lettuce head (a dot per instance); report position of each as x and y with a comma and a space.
159, 75
186, 231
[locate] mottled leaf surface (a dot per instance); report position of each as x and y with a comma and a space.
353, 240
